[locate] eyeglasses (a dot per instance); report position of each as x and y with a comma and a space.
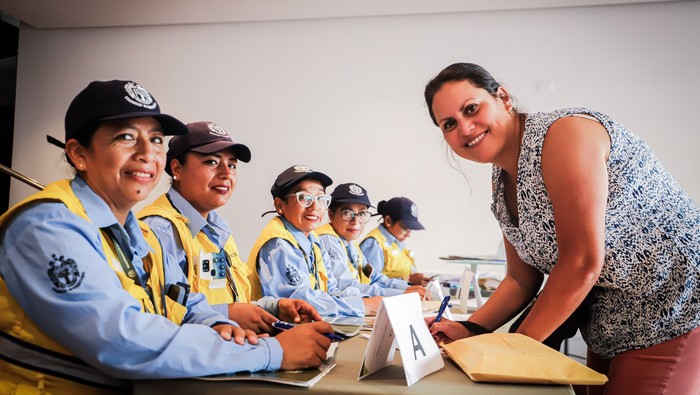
348, 215
306, 199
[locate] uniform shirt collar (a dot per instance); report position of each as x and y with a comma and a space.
304, 242
389, 237
102, 217
218, 228
352, 251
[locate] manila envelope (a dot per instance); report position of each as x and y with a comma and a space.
516, 358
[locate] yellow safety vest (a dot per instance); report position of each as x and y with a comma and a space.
398, 263
216, 293
20, 333
275, 229
357, 272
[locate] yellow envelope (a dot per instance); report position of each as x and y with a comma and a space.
516, 358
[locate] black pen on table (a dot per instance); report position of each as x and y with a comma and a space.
281, 325
443, 306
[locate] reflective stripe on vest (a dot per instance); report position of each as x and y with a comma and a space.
32, 357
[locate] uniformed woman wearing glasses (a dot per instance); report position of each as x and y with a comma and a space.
286, 260
348, 214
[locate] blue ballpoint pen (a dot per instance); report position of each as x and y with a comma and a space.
283, 326
443, 306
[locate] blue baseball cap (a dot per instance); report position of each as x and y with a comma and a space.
401, 209
205, 138
350, 193
112, 100
294, 175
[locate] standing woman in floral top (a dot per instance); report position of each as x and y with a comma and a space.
582, 199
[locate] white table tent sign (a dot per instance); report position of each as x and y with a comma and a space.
400, 322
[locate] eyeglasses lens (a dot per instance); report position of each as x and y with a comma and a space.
349, 215
307, 199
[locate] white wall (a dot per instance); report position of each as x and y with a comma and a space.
345, 97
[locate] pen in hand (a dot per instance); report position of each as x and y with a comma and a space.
283, 326
443, 306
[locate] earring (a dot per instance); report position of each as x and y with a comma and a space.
175, 178
80, 166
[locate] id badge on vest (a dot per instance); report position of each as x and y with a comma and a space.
212, 267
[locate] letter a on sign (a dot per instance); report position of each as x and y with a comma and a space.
416, 344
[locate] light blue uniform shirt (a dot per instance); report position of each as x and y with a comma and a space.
284, 272
374, 252
216, 229
100, 322
339, 251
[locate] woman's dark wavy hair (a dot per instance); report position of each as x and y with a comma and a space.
471, 72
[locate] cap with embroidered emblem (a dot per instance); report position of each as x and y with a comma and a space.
205, 137
294, 175
112, 100
350, 193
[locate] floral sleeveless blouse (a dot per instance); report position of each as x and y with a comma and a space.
647, 292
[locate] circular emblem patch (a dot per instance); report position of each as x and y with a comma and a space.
414, 210
218, 130
139, 96
355, 190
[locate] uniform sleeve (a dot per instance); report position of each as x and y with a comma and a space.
336, 259
374, 254
332, 283
269, 304
336, 254
284, 274
91, 315
381, 285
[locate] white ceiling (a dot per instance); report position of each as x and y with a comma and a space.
104, 13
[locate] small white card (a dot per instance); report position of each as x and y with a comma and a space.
469, 280
400, 322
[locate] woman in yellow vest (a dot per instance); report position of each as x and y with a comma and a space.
87, 300
385, 246
348, 214
287, 260
203, 165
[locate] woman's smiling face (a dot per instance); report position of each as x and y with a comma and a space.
207, 181
123, 162
348, 230
306, 219
472, 121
